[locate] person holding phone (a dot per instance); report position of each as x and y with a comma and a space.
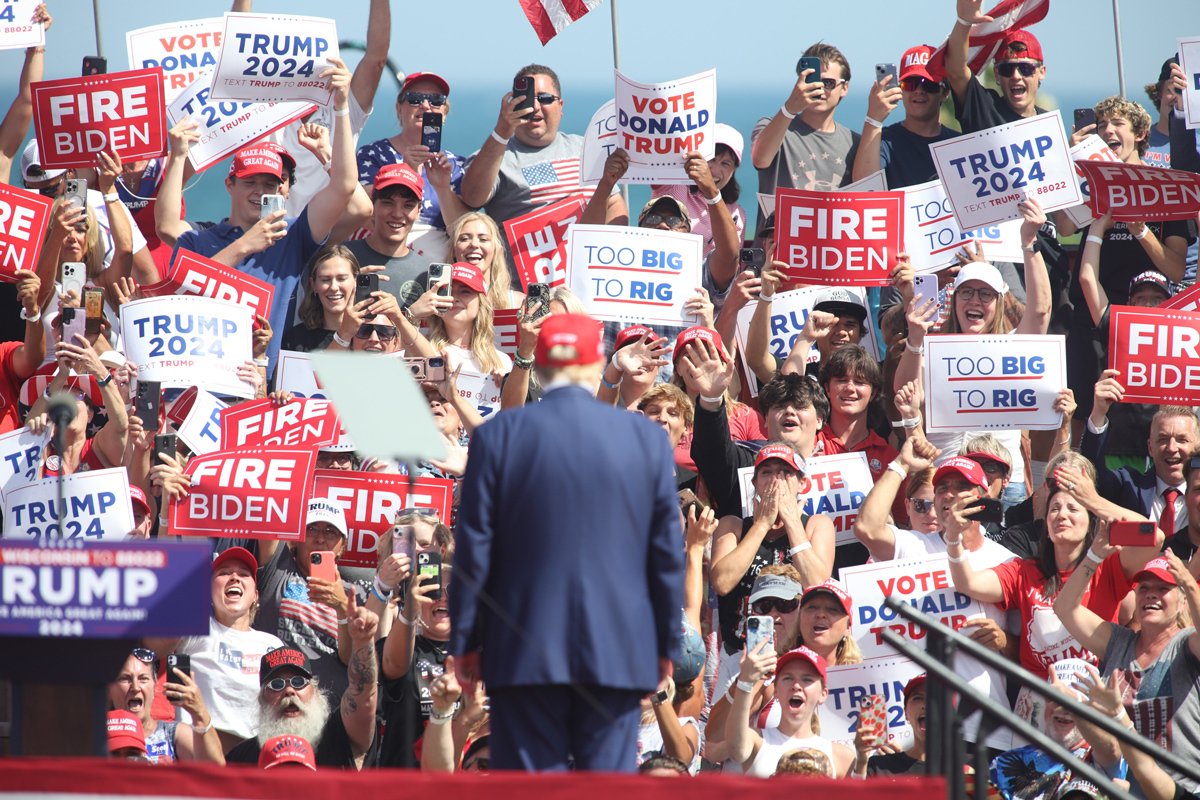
476, 239
330, 291
463, 333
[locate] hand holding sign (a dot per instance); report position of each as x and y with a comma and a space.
338, 77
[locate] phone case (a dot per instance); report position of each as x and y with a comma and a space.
872, 716
325, 569
765, 631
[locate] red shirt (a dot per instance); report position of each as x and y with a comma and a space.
89, 459
10, 388
879, 454
1044, 639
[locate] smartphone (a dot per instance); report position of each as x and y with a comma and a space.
523, 88
1084, 117
72, 323
758, 629
73, 275
537, 300
886, 70
148, 404
76, 193
813, 63
1133, 534
93, 306
435, 369
431, 131
687, 502
925, 288
164, 443
94, 65
178, 661
364, 286
322, 566
872, 715
417, 367
269, 204
751, 259
992, 511
402, 540
429, 570
439, 278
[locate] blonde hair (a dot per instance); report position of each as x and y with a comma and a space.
987, 443
805, 761
496, 269
561, 294
93, 256
483, 336
671, 394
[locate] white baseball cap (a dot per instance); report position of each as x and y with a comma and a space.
731, 138
981, 271
321, 509
31, 159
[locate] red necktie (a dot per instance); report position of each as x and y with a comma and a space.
1166, 522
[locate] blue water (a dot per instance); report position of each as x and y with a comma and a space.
473, 114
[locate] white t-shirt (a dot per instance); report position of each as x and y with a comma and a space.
311, 176
95, 202
225, 666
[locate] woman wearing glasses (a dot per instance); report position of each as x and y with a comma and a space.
422, 93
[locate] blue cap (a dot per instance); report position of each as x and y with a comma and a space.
692, 654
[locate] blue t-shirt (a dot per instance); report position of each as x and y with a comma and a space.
373, 156
905, 156
281, 265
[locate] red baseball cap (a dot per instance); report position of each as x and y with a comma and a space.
567, 339
257, 159
236, 554
1157, 568
138, 497
965, 468
287, 749
915, 62
413, 77
1019, 45
782, 452
915, 683
632, 334
695, 334
288, 161
468, 275
125, 730
829, 586
804, 654
400, 175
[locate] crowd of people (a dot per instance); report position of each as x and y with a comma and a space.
372, 669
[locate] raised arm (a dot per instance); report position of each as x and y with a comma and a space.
1085, 625
722, 263
1168, 254
1036, 318
20, 113
370, 68
744, 741
362, 694
872, 527
479, 181
758, 336
168, 205
327, 205
110, 440
438, 753
958, 71
732, 554
596, 211
1089, 269
29, 356
983, 585
764, 147
882, 100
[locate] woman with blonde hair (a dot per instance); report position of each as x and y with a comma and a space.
464, 332
476, 239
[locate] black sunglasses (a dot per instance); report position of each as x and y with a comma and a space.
545, 98
767, 604
915, 82
385, 332
435, 99
672, 222
297, 682
922, 506
1007, 69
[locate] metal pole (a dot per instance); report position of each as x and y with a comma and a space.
95, 16
1120, 57
616, 36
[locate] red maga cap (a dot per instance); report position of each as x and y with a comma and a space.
400, 175
567, 339
782, 452
257, 159
697, 333
830, 586
468, 275
287, 749
1018, 45
964, 467
915, 62
801, 653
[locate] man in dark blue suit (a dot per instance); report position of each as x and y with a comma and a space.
568, 567
1158, 493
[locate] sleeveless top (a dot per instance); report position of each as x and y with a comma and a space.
735, 606
160, 745
775, 744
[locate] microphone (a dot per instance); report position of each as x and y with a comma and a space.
61, 409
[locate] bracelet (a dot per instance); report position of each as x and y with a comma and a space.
500, 140
956, 559
521, 362
112, 197
1145, 232
918, 350
35, 318
800, 548
719, 399
338, 340
107, 380
898, 468
1091, 556
341, 112
712, 201
874, 123
441, 719
614, 363
382, 597
783, 110
261, 362
744, 686
1095, 239
908, 423
608, 384
962, 21
344, 622
208, 727
766, 298
403, 620
954, 542
1121, 716
382, 588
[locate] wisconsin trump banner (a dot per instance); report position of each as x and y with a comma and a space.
1157, 354
839, 238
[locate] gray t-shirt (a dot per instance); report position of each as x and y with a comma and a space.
406, 275
808, 158
1162, 699
532, 177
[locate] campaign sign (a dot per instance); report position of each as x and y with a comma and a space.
839, 238
932, 236
227, 125
658, 124
1187, 300
186, 340
1157, 353
988, 173
834, 486
1004, 382
850, 684
371, 501
75, 119
1189, 61
538, 241
20, 456
17, 28
306, 422
925, 584
1136, 193
24, 216
183, 50
105, 590
634, 275
200, 429
97, 507
257, 492
789, 313
504, 329
274, 57
1092, 148
481, 391
192, 273
601, 139
875, 182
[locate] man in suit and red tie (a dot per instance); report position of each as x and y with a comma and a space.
568, 566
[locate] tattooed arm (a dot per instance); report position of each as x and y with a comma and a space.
359, 699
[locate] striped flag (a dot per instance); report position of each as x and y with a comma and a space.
1008, 15
549, 17
551, 181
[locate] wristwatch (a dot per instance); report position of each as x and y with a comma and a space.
659, 698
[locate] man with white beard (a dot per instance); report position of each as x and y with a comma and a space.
290, 701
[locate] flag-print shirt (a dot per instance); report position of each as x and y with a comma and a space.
381, 153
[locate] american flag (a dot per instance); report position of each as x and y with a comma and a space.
549, 17
985, 37
551, 181
295, 605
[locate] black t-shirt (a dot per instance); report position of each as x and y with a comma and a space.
334, 749
894, 764
1121, 258
983, 108
1180, 543
405, 703
304, 339
734, 607
905, 155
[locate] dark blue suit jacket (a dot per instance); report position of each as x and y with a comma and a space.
1125, 487
568, 563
